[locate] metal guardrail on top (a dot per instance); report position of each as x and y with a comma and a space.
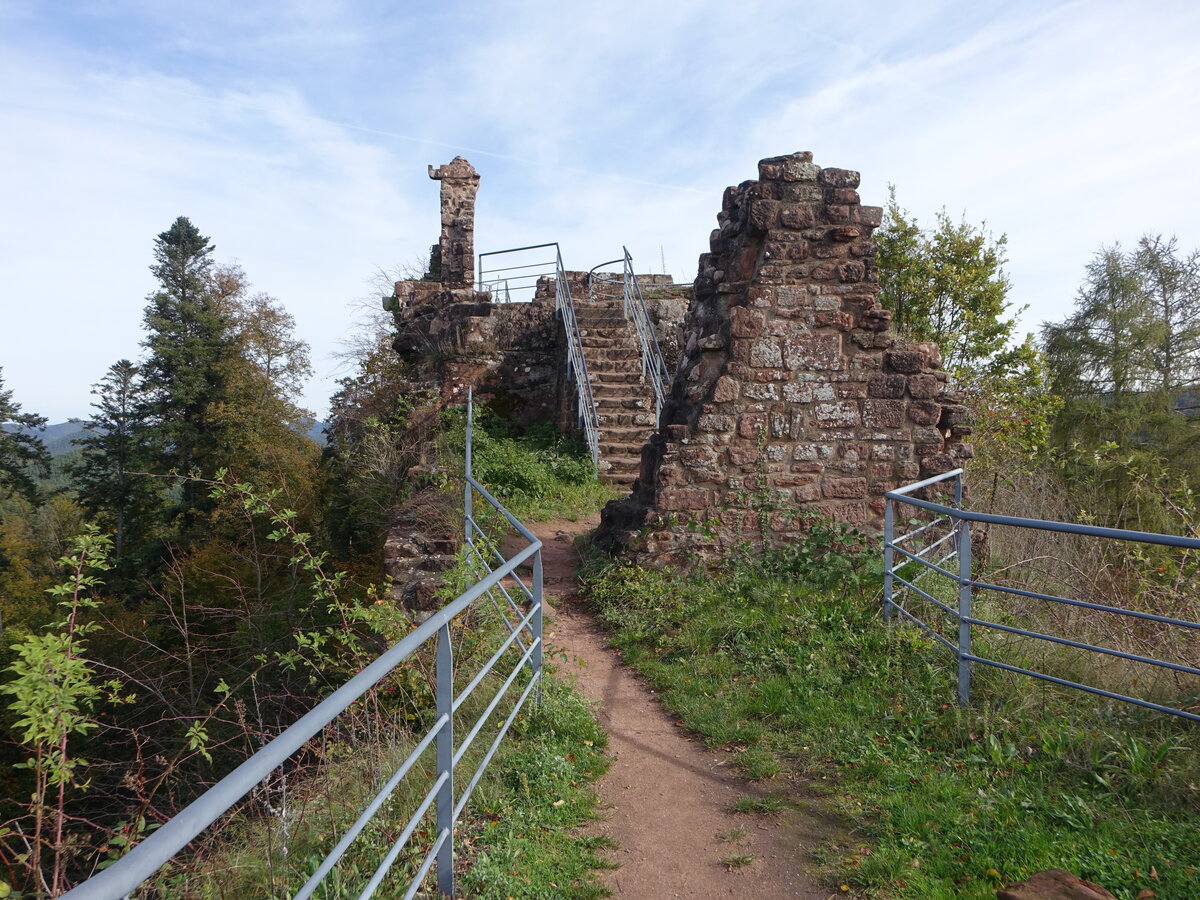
626, 287
518, 282
955, 544
654, 364
443, 796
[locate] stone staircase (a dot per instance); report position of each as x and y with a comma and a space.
624, 400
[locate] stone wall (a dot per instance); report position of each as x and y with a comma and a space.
790, 393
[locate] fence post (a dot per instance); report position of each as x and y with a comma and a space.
445, 761
467, 510
964, 612
537, 621
889, 523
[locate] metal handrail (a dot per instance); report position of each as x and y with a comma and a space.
589, 418
519, 288
654, 364
959, 524
145, 859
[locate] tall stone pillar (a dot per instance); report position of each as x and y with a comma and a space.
460, 183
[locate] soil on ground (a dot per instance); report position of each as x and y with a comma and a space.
667, 801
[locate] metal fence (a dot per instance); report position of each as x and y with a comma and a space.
522, 614
938, 546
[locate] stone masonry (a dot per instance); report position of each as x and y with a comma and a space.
790, 393
456, 248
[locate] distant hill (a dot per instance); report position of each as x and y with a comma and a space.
59, 438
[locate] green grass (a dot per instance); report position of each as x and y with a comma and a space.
947, 803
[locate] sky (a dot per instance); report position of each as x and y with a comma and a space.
296, 135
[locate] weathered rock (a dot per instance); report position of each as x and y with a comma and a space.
1054, 884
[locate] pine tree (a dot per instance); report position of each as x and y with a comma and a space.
189, 344
109, 475
22, 453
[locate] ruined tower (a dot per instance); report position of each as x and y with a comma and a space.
456, 246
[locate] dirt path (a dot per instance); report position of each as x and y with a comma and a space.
668, 799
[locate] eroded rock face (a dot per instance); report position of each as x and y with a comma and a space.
790, 393
1054, 884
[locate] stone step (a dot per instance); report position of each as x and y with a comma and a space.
618, 390
643, 422
608, 405
609, 452
616, 376
624, 341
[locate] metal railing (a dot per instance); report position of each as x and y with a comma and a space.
654, 364
514, 274
624, 286
589, 418
944, 535
524, 631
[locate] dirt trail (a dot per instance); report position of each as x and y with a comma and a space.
667, 798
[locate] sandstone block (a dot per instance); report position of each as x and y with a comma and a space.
937, 464
870, 216
839, 178
726, 390
842, 414
923, 387
763, 214
751, 425
924, 412
765, 354
850, 272
883, 413
954, 415
837, 213
742, 456
886, 386
682, 498
905, 361
796, 216
715, 423
820, 352
806, 493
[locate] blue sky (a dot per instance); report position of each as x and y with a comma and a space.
296, 135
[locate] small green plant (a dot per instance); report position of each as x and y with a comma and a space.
56, 691
732, 836
766, 804
737, 861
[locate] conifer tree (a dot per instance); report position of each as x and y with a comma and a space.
189, 344
109, 475
21, 452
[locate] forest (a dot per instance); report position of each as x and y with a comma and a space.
197, 571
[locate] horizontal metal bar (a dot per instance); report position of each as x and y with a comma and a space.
487, 757
938, 543
518, 249
145, 859
419, 878
399, 843
512, 520
1054, 639
923, 528
1146, 704
924, 562
483, 717
487, 667
1132, 613
386, 791
537, 265
1118, 534
929, 631
899, 493
938, 603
